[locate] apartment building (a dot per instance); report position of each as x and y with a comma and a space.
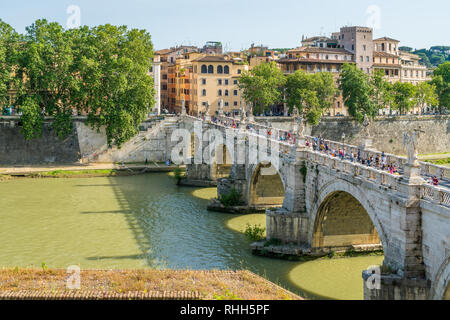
215, 78
313, 59
411, 70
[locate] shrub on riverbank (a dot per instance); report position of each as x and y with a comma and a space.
254, 233
231, 199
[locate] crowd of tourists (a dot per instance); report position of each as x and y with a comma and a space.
379, 161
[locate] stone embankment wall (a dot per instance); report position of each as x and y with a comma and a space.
154, 141
84, 144
15, 150
387, 132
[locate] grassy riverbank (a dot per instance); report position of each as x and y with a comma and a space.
70, 172
441, 162
205, 285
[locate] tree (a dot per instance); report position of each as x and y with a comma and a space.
403, 96
113, 86
8, 42
45, 77
262, 86
425, 94
381, 90
441, 79
357, 92
311, 94
100, 72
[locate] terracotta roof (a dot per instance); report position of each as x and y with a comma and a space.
322, 38
306, 60
320, 50
384, 54
213, 59
387, 65
164, 51
386, 39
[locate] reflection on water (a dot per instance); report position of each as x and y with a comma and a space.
147, 222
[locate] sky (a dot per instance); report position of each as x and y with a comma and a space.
239, 23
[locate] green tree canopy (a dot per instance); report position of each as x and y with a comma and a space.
262, 86
403, 96
381, 90
441, 79
311, 94
425, 94
357, 92
8, 47
101, 72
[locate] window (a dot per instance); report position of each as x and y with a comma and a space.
226, 104
210, 69
235, 103
203, 81
361, 58
220, 69
353, 47
226, 70
367, 59
219, 81
239, 71
220, 93
203, 92
364, 47
235, 82
226, 93
226, 82
204, 69
235, 92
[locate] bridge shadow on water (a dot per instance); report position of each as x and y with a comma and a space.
173, 230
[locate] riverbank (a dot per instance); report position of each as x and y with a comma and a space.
140, 284
82, 171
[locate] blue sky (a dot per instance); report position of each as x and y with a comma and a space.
238, 23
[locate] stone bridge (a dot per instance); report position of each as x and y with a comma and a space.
317, 203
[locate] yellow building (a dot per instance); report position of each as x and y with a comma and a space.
215, 78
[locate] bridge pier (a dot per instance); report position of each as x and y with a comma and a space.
394, 287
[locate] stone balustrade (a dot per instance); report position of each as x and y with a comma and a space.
371, 174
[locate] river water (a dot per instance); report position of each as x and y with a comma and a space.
147, 221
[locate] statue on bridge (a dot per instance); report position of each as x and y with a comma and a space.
367, 139
410, 142
183, 107
221, 107
207, 115
366, 125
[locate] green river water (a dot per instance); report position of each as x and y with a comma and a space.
147, 221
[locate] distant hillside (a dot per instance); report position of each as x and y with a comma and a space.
432, 57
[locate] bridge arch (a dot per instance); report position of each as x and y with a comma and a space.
266, 186
342, 216
440, 289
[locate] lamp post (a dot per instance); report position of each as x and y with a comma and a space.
343, 145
